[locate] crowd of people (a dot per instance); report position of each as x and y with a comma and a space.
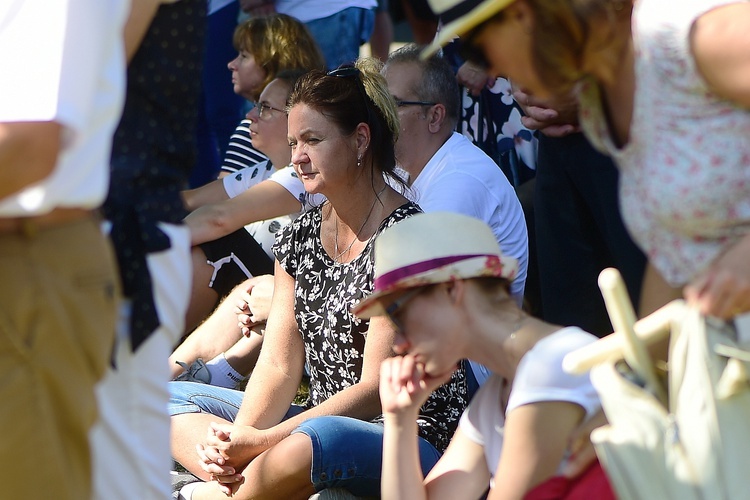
374, 296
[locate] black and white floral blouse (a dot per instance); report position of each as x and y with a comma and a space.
334, 338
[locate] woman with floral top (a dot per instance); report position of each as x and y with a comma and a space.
342, 130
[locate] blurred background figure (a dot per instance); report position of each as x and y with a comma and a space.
220, 108
382, 33
152, 157
61, 96
339, 26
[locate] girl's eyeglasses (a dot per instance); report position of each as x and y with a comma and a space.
392, 310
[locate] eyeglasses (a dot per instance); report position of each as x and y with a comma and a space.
468, 50
263, 107
392, 310
401, 104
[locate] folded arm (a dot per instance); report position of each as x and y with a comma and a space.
276, 377
404, 388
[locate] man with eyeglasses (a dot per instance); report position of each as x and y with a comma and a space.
444, 170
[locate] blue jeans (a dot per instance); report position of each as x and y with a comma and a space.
340, 35
347, 452
192, 397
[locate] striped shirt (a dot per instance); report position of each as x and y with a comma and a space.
240, 151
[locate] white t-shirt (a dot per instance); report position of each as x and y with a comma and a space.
461, 178
264, 231
247, 177
64, 61
539, 377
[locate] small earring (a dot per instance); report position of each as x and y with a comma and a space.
359, 161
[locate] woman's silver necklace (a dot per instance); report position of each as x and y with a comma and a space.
337, 254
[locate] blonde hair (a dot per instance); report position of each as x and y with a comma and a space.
376, 88
278, 42
562, 35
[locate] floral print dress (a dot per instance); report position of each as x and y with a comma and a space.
684, 173
334, 338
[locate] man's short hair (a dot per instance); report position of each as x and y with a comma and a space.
438, 79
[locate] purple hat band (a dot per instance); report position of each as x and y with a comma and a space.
389, 279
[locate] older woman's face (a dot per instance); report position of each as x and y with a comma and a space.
323, 157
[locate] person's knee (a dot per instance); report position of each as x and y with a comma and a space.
336, 463
282, 471
292, 456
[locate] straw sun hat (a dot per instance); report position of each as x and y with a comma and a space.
459, 17
432, 248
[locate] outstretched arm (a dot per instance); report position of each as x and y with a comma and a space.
274, 381
213, 192
270, 391
263, 201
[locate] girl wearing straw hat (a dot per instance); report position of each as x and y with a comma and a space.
443, 282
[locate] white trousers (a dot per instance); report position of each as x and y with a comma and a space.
130, 442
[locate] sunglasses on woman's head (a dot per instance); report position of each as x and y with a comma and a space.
344, 72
